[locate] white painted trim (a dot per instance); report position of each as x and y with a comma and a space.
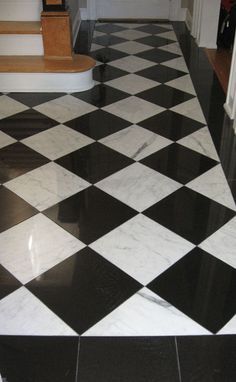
230, 105
21, 44
46, 82
76, 25
83, 13
20, 10
189, 20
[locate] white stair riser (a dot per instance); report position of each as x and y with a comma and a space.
21, 45
46, 82
20, 10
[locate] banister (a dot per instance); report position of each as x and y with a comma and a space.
55, 5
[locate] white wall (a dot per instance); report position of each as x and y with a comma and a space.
75, 17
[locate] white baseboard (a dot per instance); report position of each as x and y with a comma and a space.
46, 82
189, 20
20, 10
21, 44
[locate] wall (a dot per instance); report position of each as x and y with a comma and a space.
83, 3
188, 4
75, 17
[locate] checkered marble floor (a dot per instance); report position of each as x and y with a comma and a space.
116, 216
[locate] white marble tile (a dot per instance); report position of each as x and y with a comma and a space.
213, 184
177, 63
146, 314
130, 25
138, 186
201, 142
132, 83
132, 64
191, 109
46, 186
172, 48
142, 248
136, 142
183, 83
57, 141
133, 109
164, 25
222, 243
170, 35
131, 34
131, 47
65, 108
34, 246
5, 139
98, 34
229, 328
10, 107
23, 314
95, 47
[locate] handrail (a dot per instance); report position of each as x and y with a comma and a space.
55, 5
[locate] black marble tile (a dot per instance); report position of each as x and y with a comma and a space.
98, 124
202, 287
108, 39
106, 55
90, 214
94, 162
152, 28
157, 55
171, 125
38, 359
109, 28
128, 360
190, 214
83, 289
8, 283
101, 95
165, 96
103, 73
179, 163
17, 159
34, 99
160, 73
154, 41
25, 124
207, 358
13, 209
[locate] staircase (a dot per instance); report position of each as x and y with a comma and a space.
36, 53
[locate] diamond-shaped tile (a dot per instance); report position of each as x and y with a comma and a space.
17, 159
154, 41
165, 96
188, 163
191, 109
94, 162
106, 55
135, 142
130, 34
101, 95
5, 140
202, 287
56, 142
104, 72
89, 214
169, 35
177, 63
108, 40
183, 83
160, 73
90, 288
98, 124
108, 28
172, 48
8, 283
26, 123
34, 246
132, 83
65, 108
138, 186
222, 244
46, 186
131, 47
152, 28
142, 248
172, 125
10, 107
190, 214
157, 55
132, 64
34, 99
21, 313
133, 109
13, 209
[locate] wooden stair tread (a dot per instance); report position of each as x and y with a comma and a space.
38, 64
20, 27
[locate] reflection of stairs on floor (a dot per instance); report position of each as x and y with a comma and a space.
23, 66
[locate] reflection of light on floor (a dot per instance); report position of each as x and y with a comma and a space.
30, 245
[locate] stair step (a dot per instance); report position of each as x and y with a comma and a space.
20, 10
20, 27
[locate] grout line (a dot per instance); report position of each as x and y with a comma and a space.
177, 356
77, 364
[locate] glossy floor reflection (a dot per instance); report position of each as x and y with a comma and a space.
117, 226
